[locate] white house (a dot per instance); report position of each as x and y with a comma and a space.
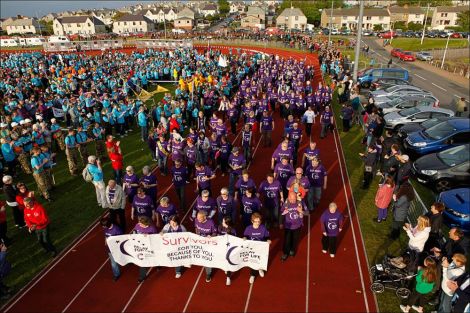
347, 18
186, 12
82, 25
133, 24
105, 15
407, 14
21, 26
237, 7
446, 16
292, 18
209, 9
168, 13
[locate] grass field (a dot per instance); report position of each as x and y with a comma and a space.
73, 210
414, 44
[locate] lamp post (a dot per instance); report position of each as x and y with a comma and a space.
424, 26
445, 51
358, 41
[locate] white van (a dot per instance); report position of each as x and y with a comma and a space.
9, 42
35, 41
58, 39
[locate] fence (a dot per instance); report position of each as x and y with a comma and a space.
83, 45
162, 44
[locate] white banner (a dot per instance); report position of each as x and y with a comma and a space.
58, 113
226, 252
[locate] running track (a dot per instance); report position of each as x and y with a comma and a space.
79, 280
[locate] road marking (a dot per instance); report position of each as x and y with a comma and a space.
84, 286
460, 97
439, 87
248, 298
193, 290
420, 77
135, 292
352, 226
307, 277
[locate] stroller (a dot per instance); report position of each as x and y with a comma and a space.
387, 276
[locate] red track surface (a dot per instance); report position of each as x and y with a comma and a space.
80, 279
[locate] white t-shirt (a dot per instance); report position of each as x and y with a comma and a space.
309, 116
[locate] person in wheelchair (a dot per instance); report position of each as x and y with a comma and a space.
418, 236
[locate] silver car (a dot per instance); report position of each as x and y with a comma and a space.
424, 56
401, 96
408, 102
417, 114
395, 90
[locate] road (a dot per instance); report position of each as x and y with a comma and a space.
220, 24
446, 91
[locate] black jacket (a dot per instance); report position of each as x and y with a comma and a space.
463, 295
10, 192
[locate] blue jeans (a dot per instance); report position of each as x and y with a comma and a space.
231, 183
445, 303
313, 197
114, 266
162, 164
118, 176
144, 132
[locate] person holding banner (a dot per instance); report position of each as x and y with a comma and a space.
174, 226
206, 228
110, 230
250, 204
144, 227
258, 232
226, 227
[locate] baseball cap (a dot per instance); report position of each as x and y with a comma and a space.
22, 122
14, 124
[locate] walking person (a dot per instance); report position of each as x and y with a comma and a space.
326, 120
318, 179
10, 191
331, 225
71, 151
237, 163
180, 180
383, 197
116, 203
461, 107
144, 227
96, 171
174, 226
292, 214
309, 119
37, 221
258, 232
110, 229
39, 174
205, 227
267, 128
226, 227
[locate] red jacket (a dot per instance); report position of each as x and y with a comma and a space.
36, 216
383, 196
174, 125
3, 214
116, 161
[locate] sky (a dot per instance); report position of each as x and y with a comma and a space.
41, 8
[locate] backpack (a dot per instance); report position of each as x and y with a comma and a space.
87, 175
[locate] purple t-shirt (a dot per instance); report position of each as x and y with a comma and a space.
242, 185
131, 179
203, 178
331, 222
303, 182
326, 117
166, 211
294, 134
266, 123
180, 175
310, 154
209, 206
269, 191
205, 229
150, 180
143, 206
235, 161
283, 172
113, 231
226, 206
191, 154
257, 234
224, 150
291, 216
164, 145
220, 130
139, 229
250, 205
279, 154
316, 175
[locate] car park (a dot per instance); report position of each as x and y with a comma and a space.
408, 102
444, 135
396, 91
424, 56
386, 82
444, 170
406, 56
409, 128
397, 119
457, 208
366, 78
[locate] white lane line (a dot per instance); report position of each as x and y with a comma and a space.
420, 77
352, 226
84, 286
439, 87
307, 279
193, 290
135, 291
460, 97
248, 299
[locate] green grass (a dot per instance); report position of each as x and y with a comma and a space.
73, 210
414, 44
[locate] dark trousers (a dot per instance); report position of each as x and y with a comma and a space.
233, 126
3, 231
346, 125
44, 240
416, 298
291, 238
368, 176
18, 216
396, 226
308, 129
180, 195
118, 217
329, 243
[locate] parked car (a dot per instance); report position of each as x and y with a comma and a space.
395, 91
334, 31
453, 132
442, 34
367, 32
408, 102
386, 82
397, 119
387, 35
456, 35
406, 56
409, 128
403, 94
444, 170
368, 76
457, 208
424, 56
395, 52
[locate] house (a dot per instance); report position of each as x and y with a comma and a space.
22, 25
347, 18
105, 15
209, 9
186, 12
49, 17
185, 23
406, 15
131, 23
371, 3
292, 18
446, 16
152, 14
169, 14
252, 21
256, 11
82, 25
237, 7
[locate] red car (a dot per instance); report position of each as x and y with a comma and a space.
406, 56
388, 35
395, 52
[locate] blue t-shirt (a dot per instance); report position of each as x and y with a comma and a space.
95, 172
8, 153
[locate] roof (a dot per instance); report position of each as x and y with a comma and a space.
23, 22
253, 16
80, 20
255, 10
456, 9
292, 12
409, 10
355, 12
209, 7
134, 18
186, 12
460, 123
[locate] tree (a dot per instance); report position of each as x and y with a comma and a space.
118, 15
311, 9
415, 26
378, 27
46, 28
463, 20
224, 6
399, 25
432, 3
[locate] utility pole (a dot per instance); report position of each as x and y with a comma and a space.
164, 23
424, 27
331, 22
445, 52
358, 41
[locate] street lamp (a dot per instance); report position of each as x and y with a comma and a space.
445, 51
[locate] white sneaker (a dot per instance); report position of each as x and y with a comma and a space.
261, 273
332, 255
252, 279
323, 251
228, 282
178, 275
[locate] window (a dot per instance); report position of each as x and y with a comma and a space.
421, 115
447, 22
368, 18
463, 137
125, 23
296, 18
179, 22
140, 23
417, 15
133, 23
89, 25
